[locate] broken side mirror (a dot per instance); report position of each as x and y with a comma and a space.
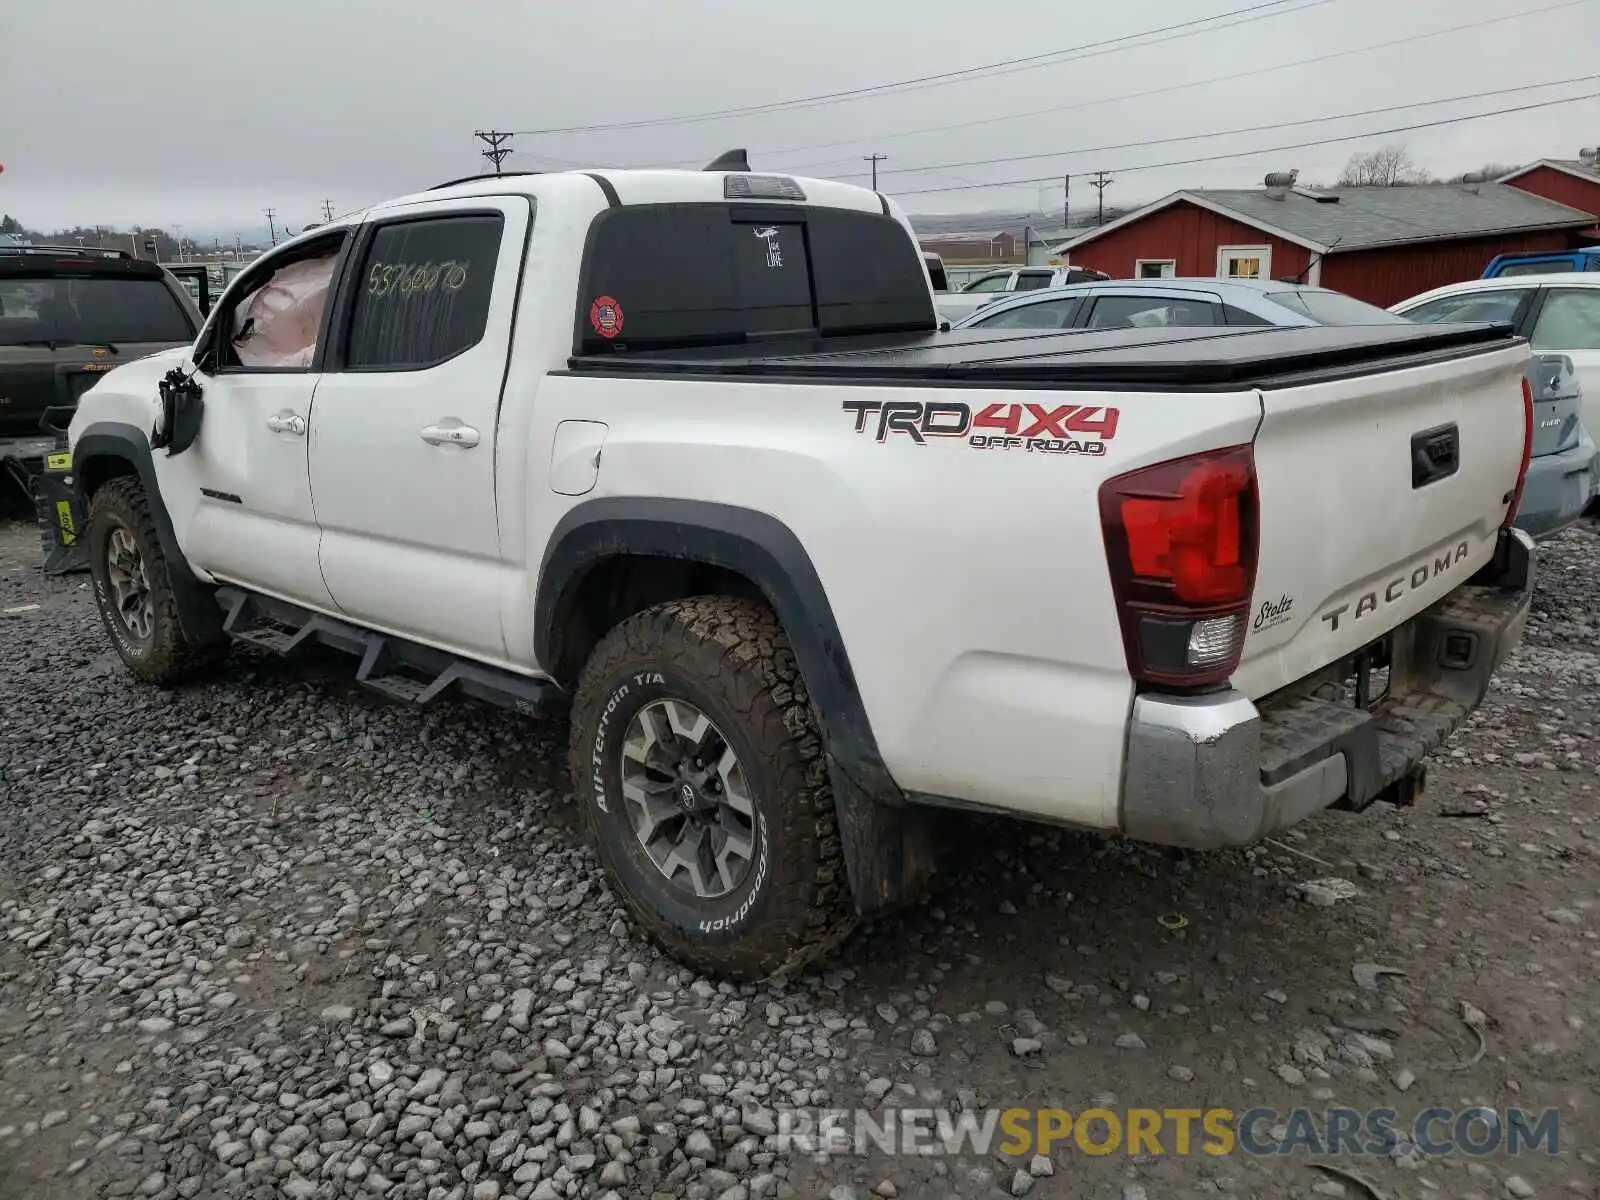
181, 410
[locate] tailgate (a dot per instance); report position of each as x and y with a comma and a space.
27, 388
1380, 494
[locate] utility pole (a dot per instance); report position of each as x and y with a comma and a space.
874, 159
272, 229
327, 210
496, 143
1100, 183
1066, 202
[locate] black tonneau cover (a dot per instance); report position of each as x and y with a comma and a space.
1214, 359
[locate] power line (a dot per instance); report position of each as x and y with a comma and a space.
497, 151
1197, 137
1230, 77
1210, 158
1253, 12
1100, 183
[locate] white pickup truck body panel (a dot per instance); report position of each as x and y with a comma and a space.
970, 587
1345, 538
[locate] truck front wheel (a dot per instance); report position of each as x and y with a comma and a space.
696, 759
134, 592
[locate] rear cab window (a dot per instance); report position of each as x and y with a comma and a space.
661, 276
48, 305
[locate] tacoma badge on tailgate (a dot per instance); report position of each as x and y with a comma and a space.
1400, 585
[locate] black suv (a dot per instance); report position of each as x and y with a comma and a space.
67, 316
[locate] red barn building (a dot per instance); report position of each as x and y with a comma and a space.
1379, 244
1574, 182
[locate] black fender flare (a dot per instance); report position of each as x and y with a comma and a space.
886, 846
198, 613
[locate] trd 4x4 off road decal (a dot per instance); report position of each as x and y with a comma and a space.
1036, 428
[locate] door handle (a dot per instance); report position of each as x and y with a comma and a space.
464, 436
286, 422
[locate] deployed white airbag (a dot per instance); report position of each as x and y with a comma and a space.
278, 322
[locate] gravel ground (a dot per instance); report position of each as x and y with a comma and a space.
266, 937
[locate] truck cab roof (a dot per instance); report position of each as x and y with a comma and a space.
662, 186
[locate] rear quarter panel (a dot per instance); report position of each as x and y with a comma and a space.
970, 586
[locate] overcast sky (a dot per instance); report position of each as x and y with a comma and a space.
202, 112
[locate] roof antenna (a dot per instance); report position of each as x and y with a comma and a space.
733, 160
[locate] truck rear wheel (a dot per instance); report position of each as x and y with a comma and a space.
134, 592
697, 761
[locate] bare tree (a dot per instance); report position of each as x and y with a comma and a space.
1387, 166
1489, 171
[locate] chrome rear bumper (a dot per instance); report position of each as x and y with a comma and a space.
1221, 770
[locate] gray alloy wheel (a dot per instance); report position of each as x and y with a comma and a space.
687, 799
125, 571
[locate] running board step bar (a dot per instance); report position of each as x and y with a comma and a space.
393, 667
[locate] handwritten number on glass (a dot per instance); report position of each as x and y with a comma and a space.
410, 279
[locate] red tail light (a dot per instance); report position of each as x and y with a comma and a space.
1527, 454
1181, 543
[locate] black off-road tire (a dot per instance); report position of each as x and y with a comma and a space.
167, 656
730, 659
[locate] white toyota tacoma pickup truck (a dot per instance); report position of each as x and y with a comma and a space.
685, 451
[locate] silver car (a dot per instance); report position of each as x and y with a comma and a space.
1124, 303
1563, 474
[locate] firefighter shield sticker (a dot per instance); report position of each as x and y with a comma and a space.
605, 314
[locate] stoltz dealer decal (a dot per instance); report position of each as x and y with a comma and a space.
1272, 612
1036, 428
605, 314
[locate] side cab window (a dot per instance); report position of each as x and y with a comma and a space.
276, 317
422, 291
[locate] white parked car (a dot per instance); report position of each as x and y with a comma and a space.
1558, 313
998, 284
686, 450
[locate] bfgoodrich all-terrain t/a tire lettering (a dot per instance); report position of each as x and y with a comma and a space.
728, 662
123, 541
